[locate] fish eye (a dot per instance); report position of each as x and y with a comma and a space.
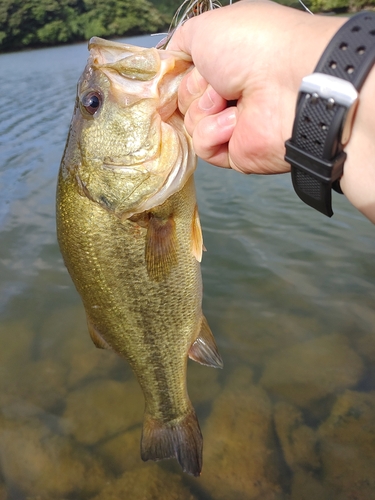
91, 102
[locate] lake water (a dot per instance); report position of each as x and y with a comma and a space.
288, 293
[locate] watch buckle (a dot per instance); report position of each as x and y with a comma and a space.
335, 91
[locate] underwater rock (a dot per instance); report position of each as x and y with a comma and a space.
239, 459
149, 482
270, 330
298, 441
365, 345
64, 338
307, 372
16, 341
362, 330
102, 409
3, 492
36, 460
305, 486
121, 452
202, 382
42, 383
86, 362
347, 444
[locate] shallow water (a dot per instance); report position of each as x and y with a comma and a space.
288, 293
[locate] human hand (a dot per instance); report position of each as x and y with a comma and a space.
255, 53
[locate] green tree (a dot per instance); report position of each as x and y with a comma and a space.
26, 23
341, 5
119, 17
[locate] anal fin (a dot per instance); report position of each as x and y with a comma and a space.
204, 349
98, 340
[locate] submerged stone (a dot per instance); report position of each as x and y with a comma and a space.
42, 383
102, 409
16, 345
40, 461
239, 458
3, 492
306, 486
64, 338
298, 441
121, 451
149, 482
347, 444
203, 385
312, 370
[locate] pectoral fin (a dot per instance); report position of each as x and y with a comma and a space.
98, 340
204, 349
161, 247
197, 246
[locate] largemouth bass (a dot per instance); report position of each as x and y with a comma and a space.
129, 232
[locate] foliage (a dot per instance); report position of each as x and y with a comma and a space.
30, 23
26, 23
341, 5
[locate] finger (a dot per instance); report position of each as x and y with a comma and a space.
212, 134
183, 36
209, 103
191, 87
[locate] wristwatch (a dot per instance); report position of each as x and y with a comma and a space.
325, 110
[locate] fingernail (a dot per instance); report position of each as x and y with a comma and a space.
205, 102
227, 118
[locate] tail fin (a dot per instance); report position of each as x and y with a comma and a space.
181, 439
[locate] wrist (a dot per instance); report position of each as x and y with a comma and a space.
313, 33
315, 153
358, 180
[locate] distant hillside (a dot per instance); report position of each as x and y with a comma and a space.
35, 23
49, 22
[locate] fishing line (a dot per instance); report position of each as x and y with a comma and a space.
306, 8
192, 8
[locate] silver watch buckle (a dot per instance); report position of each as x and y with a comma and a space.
334, 90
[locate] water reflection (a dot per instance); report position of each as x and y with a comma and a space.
288, 293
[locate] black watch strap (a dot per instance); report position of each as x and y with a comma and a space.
325, 109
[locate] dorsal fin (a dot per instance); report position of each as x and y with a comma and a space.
204, 350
